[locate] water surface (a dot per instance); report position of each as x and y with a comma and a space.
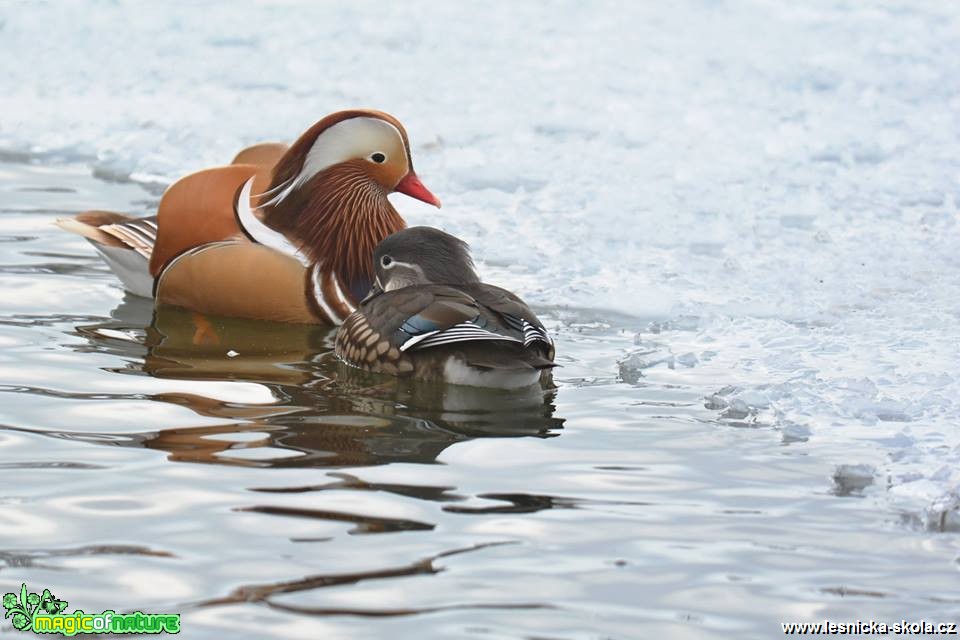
232, 471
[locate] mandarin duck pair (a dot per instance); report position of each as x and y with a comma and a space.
305, 234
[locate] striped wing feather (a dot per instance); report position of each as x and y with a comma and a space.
426, 316
140, 234
513, 311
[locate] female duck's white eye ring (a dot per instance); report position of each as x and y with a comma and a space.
386, 261
378, 157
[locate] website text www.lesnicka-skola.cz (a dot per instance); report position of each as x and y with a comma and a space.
869, 627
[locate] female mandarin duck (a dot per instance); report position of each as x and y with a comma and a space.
303, 255
429, 317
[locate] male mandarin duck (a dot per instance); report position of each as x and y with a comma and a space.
430, 318
283, 233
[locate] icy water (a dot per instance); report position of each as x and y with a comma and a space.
230, 471
739, 219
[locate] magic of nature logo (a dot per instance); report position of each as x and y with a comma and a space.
44, 613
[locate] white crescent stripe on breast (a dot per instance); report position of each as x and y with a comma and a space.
344, 300
260, 232
316, 279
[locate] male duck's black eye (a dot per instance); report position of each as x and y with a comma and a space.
378, 157
386, 261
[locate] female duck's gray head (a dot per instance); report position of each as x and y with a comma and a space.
421, 255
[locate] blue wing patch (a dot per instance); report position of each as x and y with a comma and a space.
417, 325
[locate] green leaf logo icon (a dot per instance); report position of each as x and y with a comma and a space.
21, 609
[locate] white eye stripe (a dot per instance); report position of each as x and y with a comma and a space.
408, 265
410, 274
346, 140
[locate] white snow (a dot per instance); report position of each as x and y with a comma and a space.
775, 182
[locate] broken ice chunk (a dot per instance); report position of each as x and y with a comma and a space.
852, 479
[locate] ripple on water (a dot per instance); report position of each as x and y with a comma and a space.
251, 480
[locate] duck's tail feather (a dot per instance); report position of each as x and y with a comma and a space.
124, 242
88, 223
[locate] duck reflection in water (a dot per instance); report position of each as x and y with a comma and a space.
325, 414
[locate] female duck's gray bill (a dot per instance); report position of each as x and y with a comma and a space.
375, 290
